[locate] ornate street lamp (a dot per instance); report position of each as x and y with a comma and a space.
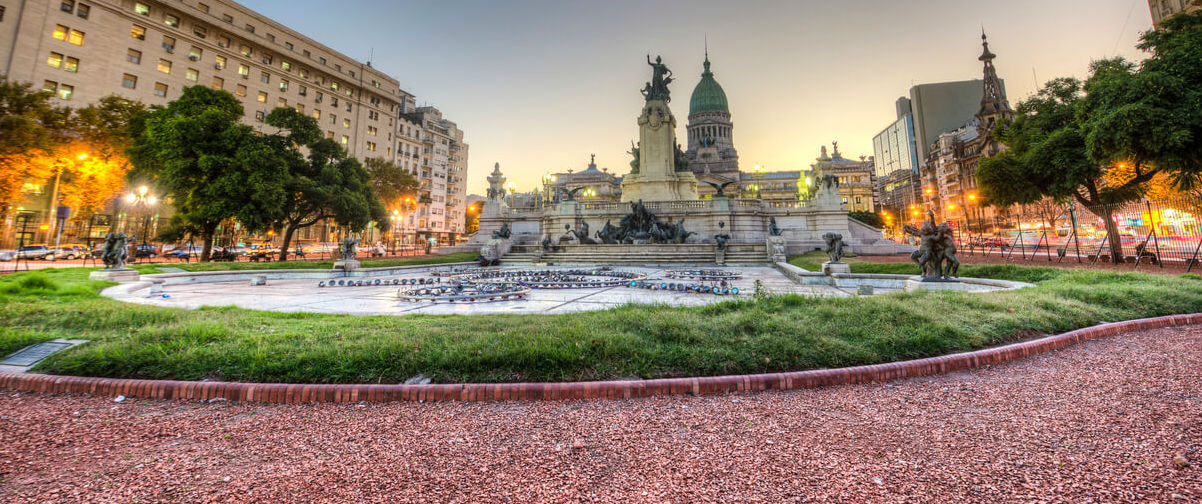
144, 200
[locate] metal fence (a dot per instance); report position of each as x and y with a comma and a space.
1162, 233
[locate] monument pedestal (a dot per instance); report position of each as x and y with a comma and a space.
829, 268
776, 249
347, 265
115, 275
656, 178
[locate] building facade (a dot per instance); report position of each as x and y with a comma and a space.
711, 149
594, 184
949, 173
1164, 9
895, 157
150, 50
856, 178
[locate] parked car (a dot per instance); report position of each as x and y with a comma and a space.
71, 251
237, 250
35, 252
8, 255
223, 255
185, 252
146, 250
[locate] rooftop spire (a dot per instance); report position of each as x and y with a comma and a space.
707, 58
986, 56
994, 105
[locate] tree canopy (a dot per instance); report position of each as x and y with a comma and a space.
30, 128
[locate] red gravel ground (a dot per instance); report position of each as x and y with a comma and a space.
1112, 420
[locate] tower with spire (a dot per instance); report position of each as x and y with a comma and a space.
994, 105
711, 151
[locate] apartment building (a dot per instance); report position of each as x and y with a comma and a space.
151, 50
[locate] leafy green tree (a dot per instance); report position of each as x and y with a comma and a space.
391, 183
1145, 120
325, 184
869, 218
30, 128
210, 165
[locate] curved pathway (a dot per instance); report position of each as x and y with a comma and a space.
1101, 421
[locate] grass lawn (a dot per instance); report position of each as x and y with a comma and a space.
364, 263
770, 334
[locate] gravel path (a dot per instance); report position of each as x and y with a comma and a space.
1100, 422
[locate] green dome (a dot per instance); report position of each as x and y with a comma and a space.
708, 96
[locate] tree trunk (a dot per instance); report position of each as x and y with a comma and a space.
1116, 241
288, 230
207, 235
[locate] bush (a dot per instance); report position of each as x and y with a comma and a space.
869, 218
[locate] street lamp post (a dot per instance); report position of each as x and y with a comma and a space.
145, 200
396, 221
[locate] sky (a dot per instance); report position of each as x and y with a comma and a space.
539, 85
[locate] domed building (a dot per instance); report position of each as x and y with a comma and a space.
711, 150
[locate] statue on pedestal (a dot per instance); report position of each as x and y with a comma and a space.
116, 251
634, 151
503, 233
657, 89
834, 247
773, 229
936, 256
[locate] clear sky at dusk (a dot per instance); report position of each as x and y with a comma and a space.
539, 85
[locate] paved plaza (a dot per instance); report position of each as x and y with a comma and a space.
1110, 420
303, 295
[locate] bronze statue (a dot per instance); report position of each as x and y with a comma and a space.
609, 234
116, 251
834, 247
347, 248
936, 254
681, 161
634, 151
830, 182
773, 230
719, 188
660, 78
582, 235
502, 233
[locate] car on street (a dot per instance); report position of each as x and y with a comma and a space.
71, 251
8, 255
147, 250
35, 252
186, 252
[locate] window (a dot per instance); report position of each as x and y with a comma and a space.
160, 89
169, 44
271, 37
266, 59
300, 108
306, 53
164, 66
192, 74
319, 97
316, 114
55, 60
244, 71
71, 65
330, 135
303, 91
375, 84
260, 115
334, 101
265, 78
203, 7
304, 73
195, 53
171, 20
372, 130
240, 90
348, 106
142, 8
1, 13
283, 85
262, 97
223, 41
286, 66
337, 67
218, 83
219, 62
345, 139
138, 32
250, 28
60, 32
133, 56
227, 18
346, 123
50, 86
83, 10
245, 50
280, 102
333, 119
129, 81
65, 91
288, 45
321, 59
371, 146
200, 31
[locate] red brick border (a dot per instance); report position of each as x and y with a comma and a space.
287, 393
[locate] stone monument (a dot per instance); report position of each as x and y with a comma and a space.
496, 247
346, 252
658, 172
116, 251
936, 257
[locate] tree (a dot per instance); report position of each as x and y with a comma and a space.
391, 183
867, 217
326, 184
1145, 120
30, 127
96, 163
209, 164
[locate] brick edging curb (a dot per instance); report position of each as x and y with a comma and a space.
290, 393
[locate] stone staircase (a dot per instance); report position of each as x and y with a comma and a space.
672, 254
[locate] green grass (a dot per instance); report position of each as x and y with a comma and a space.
365, 263
777, 333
